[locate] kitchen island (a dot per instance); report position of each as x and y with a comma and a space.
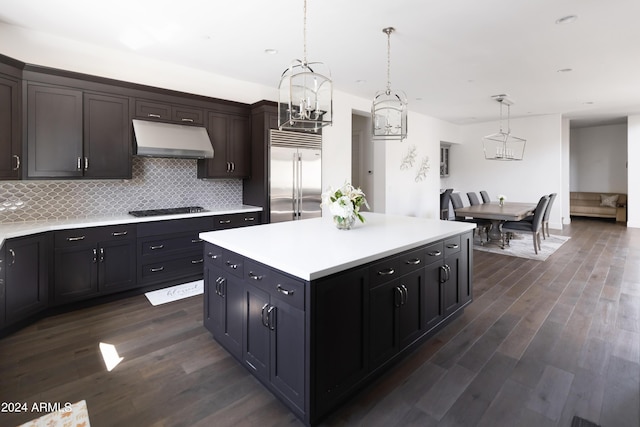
315, 313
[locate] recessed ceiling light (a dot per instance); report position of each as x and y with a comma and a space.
566, 19
418, 99
361, 82
565, 70
589, 103
270, 51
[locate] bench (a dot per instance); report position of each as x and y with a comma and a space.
599, 205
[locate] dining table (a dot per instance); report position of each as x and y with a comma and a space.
497, 213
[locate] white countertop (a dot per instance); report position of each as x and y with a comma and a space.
19, 229
314, 248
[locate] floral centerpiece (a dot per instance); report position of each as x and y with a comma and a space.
344, 204
501, 199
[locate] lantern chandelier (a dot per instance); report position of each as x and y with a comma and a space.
305, 100
502, 145
389, 109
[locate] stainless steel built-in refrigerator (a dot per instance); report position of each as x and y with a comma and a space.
296, 175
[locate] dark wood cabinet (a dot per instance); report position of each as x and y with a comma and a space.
222, 222
10, 121
167, 112
26, 279
107, 137
73, 134
2, 288
229, 135
54, 132
93, 261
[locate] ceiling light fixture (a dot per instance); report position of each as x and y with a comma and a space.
389, 109
306, 91
502, 145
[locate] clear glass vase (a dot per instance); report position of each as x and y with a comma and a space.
344, 223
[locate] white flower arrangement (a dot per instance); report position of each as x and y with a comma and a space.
502, 198
345, 202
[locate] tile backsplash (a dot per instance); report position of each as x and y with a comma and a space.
156, 183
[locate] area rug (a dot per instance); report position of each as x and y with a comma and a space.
521, 245
174, 293
75, 415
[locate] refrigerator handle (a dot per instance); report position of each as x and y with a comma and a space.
299, 197
294, 189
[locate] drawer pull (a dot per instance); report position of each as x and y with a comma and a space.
197, 261
185, 119
232, 265
153, 248
284, 291
157, 116
414, 261
213, 256
249, 218
435, 253
75, 239
452, 246
254, 276
196, 240
155, 270
224, 221
387, 272
119, 233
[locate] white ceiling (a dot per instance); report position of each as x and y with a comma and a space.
448, 56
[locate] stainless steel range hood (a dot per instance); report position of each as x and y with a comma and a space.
155, 139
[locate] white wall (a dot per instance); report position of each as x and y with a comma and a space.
633, 171
539, 173
599, 159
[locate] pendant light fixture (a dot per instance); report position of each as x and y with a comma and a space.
389, 109
502, 145
305, 101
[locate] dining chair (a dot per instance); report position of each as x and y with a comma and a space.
545, 217
534, 227
485, 197
473, 198
482, 224
445, 198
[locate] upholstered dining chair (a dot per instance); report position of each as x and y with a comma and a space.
445, 198
482, 224
534, 227
473, 198
545, 217
485, 197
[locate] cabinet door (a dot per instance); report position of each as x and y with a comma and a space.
226, 296
9, 130
465, 269
107, 139
433, 301
257, 334
383, 302
2, 288
218, 167
451, 292
186, 115
238, 147
152, 110
26, 277
76, 270
116, 265
287, 351
54, 132
411, 309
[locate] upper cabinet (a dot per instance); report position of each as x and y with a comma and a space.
165, 112
229, 135
10, 155
73, 134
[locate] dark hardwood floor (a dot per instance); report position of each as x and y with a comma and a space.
542, 342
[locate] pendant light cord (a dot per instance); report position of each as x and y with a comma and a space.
304, 35
388, 31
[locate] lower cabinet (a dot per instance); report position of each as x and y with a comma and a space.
26, 277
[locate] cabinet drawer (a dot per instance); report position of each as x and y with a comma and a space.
278, 285
158, 228
222, 222
411, 261
92, 235
213, 254
186, 115
233, 263
152, 110
164, 245
384, 271
158, 271
451, 245
434, 253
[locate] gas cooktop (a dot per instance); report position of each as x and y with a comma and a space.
168, 211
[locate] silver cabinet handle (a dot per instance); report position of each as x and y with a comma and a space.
13, 257
435, 253
101, 254
157, 116
232, 265
213, 256
264, 319
405, 293
414, 261
249, 218
284, 291
95, 255
254, 276
197, 261
233, 166
196, 240
270, 319
398, 297
155, 270
79, 163
228, 167
224, 221
86, 163
119, 233
75, 239
153, 248
452, 246
220, 289
185, 119
387, 272
15, 156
